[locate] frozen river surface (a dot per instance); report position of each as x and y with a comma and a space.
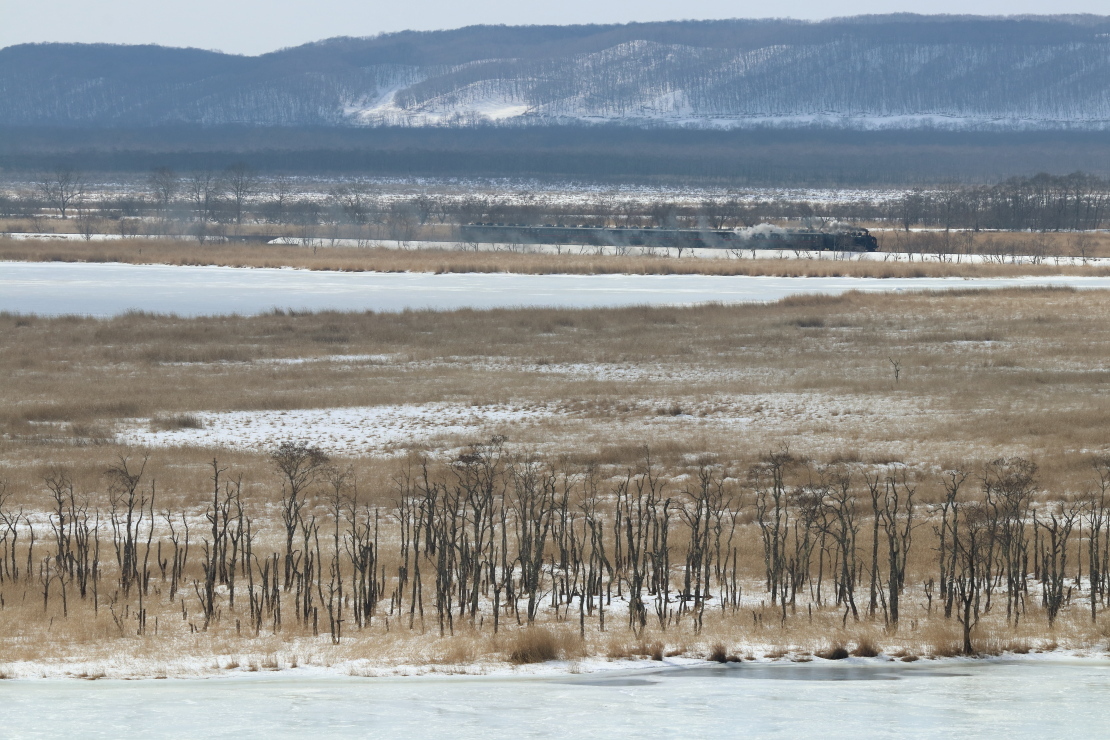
1012, 701
107, 289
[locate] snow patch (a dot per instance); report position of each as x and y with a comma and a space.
350, 430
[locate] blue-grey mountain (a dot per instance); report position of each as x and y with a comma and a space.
867, 72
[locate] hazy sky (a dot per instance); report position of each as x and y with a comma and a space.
256, 26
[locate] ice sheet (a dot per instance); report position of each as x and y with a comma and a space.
108, 289
960, 699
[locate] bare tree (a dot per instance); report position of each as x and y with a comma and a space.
401, 222
971, 565
61, 188
844, 527
202, 188
1056, 524
1098, 539
86, 224
945, 531
1008, 487
128, 508
163, 184
897, 515
281, 188
1082, 246
299, 465
911, 208
242, 182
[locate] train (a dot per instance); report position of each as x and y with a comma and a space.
842, 240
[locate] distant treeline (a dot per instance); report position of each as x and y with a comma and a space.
201, 202
605, 154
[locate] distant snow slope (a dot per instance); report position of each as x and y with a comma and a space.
869, 72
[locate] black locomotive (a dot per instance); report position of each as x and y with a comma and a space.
846, 240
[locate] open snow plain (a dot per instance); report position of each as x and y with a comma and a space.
959, 699
109, 289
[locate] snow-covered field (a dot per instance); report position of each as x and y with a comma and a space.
435, 427
109, 289
504, 190
858, 698
371, 429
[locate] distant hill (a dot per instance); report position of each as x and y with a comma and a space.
900, 71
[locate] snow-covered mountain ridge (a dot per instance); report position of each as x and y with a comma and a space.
868, 72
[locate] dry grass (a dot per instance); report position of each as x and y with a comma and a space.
865, 648
535, 645
178, 421
1046, 244
92, 644
836, 651
380, 259
983, 374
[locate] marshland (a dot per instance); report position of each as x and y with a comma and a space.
684, 379
911, 476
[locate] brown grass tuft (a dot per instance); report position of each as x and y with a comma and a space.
533, 645
866, 648
177, 421
836, 651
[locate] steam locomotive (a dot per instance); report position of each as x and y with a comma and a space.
845, 240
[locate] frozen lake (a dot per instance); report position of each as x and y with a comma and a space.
106, 289
1030, 699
